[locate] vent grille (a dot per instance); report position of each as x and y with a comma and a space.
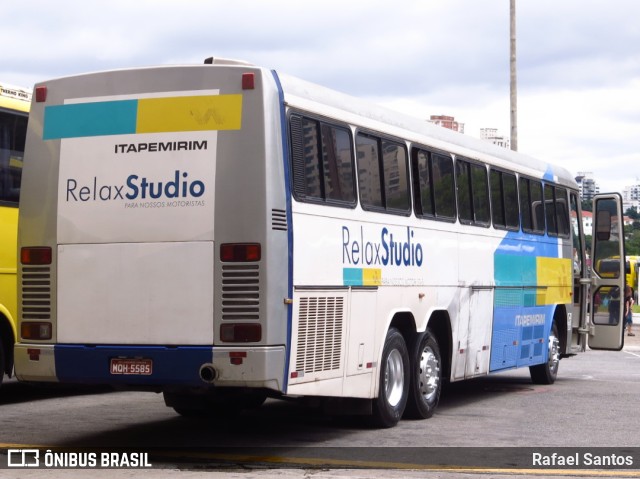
241, 292
279, 220
320, 325
36, 292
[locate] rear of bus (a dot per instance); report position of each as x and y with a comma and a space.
14, 110
153, 231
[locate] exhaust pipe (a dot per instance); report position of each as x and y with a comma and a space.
208, 373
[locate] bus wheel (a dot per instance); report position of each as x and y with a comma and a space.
389, 406
2, 362
426, 377
546, 373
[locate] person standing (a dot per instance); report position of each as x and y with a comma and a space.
628, 309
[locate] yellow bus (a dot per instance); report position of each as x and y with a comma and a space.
633, 264
14, 110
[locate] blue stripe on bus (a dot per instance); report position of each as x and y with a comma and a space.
285, 161
520, 326
171, 365
90, 119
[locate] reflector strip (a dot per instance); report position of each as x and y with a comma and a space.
149, 115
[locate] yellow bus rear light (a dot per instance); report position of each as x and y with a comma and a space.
36, 330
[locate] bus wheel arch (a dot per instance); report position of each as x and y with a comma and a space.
547, 372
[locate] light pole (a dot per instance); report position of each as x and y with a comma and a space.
513, 83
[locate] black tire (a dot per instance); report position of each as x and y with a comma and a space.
548, 372
390, 404
426, 377
3, 361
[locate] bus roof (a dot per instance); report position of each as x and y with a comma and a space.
303, 94
306, 95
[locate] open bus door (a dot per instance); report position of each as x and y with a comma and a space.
606, 322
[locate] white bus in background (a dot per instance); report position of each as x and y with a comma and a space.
223, 233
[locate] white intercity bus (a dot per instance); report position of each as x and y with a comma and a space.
224, 233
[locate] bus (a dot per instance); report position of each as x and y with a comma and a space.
224, 233
14, 109
633, 265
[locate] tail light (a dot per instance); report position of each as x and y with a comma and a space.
240, 252
36, 330
36, 255
241, 333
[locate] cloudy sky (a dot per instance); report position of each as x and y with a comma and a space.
578, 61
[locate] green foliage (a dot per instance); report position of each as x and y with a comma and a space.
632, 213
632, 243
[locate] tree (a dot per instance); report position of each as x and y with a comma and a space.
632, 243
632, 213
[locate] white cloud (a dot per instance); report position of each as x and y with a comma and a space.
578, 62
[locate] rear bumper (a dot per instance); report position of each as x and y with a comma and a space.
178, 366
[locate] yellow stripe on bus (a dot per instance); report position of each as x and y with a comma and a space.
555, 274
189, 113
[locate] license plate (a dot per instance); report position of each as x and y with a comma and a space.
137, 367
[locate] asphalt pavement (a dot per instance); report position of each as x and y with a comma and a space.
632, 343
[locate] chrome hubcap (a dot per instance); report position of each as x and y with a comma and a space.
394, 378
429, 375
554, 352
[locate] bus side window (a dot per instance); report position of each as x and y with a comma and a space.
473, 193
525, 205
423, 192
465, 212
434, 188
510, 188
322, 162
396, 178
444, 187
383, 176
562, 213
337, 156
537, 207
480, 189
550, 208
370, 186
504, 200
